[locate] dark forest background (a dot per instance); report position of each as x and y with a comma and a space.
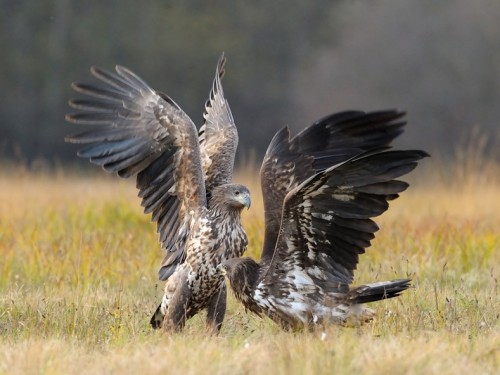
290, 62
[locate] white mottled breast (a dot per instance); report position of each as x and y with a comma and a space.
212, 240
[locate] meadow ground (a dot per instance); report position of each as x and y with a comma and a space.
78, 284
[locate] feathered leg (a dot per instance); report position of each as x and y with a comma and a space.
217, 310
177, 314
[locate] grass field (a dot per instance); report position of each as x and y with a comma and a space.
78, 284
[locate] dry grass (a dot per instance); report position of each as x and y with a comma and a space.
78, 284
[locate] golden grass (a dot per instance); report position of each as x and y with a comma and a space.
78, 284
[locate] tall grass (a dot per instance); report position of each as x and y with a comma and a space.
78, 284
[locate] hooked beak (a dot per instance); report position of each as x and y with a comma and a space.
221, 269
245, 200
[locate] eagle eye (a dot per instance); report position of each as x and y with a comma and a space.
237, 192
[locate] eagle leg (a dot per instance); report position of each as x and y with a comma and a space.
177, 312
217, 310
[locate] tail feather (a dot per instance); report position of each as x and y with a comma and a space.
377, 291
157, 318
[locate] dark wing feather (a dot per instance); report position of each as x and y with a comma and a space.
218, 136
327, 221
329, 141
137, 131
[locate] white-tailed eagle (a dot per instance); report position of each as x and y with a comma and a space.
318, 210
184, 180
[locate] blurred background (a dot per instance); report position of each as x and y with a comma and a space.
290, 62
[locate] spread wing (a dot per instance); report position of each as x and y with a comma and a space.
136, 131
218, 136
327, 221
329, 141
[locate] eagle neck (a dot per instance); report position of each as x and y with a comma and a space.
225, 212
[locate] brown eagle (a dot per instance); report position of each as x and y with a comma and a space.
318, 210
184, 180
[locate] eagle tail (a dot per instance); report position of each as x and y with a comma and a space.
157, 318
377, 291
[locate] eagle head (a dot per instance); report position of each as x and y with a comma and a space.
240, 270
243, 275
234, 195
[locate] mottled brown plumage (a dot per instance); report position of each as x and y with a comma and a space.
184, 180
321, 189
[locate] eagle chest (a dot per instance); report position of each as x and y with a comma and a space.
234, 241
211, 243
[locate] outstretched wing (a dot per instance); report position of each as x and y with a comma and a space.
136, 131
329, 141
327, 221
218, 136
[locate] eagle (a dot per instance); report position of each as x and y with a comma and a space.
318, 215
184, 178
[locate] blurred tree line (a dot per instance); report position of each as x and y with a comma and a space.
289, 63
